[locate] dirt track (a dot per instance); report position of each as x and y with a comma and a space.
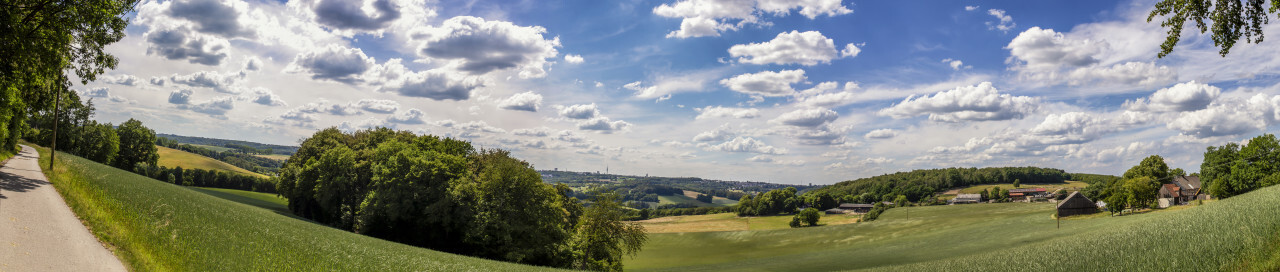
38, 232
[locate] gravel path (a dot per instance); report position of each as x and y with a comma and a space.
38, 232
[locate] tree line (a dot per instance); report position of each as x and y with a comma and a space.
443, 194
925, 184
1233, 169
243, 160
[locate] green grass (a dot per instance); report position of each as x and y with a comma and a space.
1239, 233
256, 199
214, 148
1051, 187
174, 158
156, 226
277, 157
731, 222
688, 198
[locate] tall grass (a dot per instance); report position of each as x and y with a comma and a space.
155, 226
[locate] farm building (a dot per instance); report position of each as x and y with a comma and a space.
1075, 204
1189, 188
1170, 194
835, 211
966, 199
856, 208
1028, 194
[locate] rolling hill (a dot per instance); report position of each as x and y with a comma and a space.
177, 158
156, 226
1236, 234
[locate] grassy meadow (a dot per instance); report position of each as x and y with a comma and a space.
155, 226
277, 157
174, 158
731, 222
1239, 233
690, 197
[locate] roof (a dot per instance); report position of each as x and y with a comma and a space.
974, 197
1076, 201
1170, 189
851, 206
1187, 182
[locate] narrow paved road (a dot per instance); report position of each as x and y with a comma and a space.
38, 232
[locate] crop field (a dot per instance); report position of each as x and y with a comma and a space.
731, 222
1051, 187
156, 226
689, 197
1239, 233
174, 158
277, 157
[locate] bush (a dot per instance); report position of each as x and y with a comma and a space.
810, 216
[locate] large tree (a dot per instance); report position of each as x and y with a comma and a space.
603, 238
1230, 20
40, 39
137, 145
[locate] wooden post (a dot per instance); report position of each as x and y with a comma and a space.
53, 147
1059, 217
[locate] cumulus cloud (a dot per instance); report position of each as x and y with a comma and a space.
747, 145
955, 64
262, 96
333, 62
582, 111
717, 111
980, 102
180, 97
126, 80
716, 135
156, 81
480, 46
180, 43
533, 132
1189, 96
216, 107
883, 133
435, 84
323, 106
766, 83
1229, 117
1049, 57
1047, 50
812, 117
378, 105
409, 117
223, 83
213, 16
970, 8
701, 18
819, 135
1005, 24
805, 48
829, 99
526, 101
603, 125
574, 59
347, 14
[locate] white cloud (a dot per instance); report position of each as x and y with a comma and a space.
980, 102
378, 105
180, 97
702, 18
573, 59
1189, 96
830, 100
812, 117
126, 80
766, 83
1039, 49
435, 84
409, 117
883, 133
181, 43
533, 132
970, 8
805, 48
526, 101
717, 111
583, 111
333, 62
748, 145
603, 125
955, 64
263, 96
668, 85
1047, 57
478, 46
715, 135
224, 83
1005, 24
217, 107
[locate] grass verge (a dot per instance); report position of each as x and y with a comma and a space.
156, 226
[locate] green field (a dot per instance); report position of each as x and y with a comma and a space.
1051, 187
277, 157
174, 158
156, 226
731, 222
1239, 233
214, 148
261, 200
688, 198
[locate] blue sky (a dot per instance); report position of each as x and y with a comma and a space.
816, 91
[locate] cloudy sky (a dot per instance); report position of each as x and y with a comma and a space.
814, 91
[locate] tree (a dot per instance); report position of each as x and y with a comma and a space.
704, 198
603, 238
137, 144
809, 216
985, 194
1231, 19
1177, 172
536, 233
1141, 191
99, 142
1017, 183
1152, 166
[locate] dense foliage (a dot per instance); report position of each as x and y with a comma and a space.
1137, 189
40, 41
443, 194
1232, 169
921, 184
719, 188
238, 158
1230, 19
205, 178
780, 201
137, 145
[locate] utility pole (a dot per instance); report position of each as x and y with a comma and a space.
53, 147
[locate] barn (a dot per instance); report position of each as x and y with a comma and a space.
1076, 204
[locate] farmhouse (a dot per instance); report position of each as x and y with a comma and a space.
1170, 194
1189, 187
1075, 204
966, 199
1028, 194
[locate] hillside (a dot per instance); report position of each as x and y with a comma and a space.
177, 158
1239, 233
927, 183
155, 226
222, 144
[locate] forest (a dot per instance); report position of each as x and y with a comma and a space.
444, 194
924, 184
